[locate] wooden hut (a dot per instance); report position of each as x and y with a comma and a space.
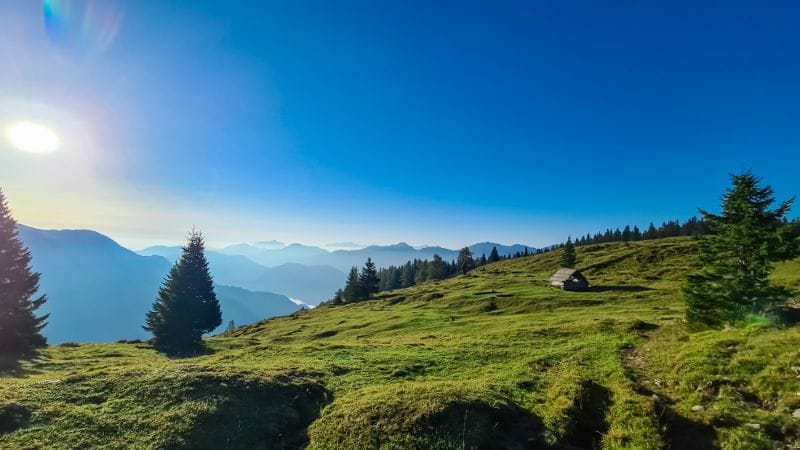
569, 280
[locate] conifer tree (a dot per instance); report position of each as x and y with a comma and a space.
352, 288
569, 259
407, 279
20, 329
651, 232
422, 272
186, 306
337, 297
745, 238
437, 268
494, 256
368, 280
465, 262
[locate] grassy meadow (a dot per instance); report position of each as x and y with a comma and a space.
493, 359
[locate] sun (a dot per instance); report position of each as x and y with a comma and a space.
32, 137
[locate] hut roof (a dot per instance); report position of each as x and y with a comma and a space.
563, 274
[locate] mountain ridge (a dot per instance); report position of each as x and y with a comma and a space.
80, 268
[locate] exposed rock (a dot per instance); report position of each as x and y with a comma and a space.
697, 408
753, 426
796, 413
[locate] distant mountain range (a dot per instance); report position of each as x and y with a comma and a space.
100, 291
343, 260
311, 284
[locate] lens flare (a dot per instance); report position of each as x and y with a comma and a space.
84, 27
32, 137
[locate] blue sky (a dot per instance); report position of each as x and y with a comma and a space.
376, 122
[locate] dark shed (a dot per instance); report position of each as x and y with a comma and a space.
569, 280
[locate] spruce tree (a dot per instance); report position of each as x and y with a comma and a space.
337, 298
494, 256
437, 268
368, 280
465, 262
20, 329
352, 289
745, 238
186, 306
569, 258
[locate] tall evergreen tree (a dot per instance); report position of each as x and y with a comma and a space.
338, 297
352, 288
494, 256
569, 258
745, 238
465, 262
368, 280
437, 268
407, 279
186, 306
20, 329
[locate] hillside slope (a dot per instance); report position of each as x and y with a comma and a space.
494, 359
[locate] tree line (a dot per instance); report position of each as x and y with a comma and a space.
362, 284
672, 228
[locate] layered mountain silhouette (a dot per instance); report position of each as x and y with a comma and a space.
343, 260
99, 291
311, 284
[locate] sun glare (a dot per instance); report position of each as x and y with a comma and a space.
32, 137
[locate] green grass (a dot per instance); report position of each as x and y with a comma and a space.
492, 359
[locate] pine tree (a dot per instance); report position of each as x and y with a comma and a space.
651, 232
337, 297
494, 256
465, 262
422, 272
569, 258
437, 268
746, 237
20, 329
186, 306
352, 288
368, 280
407, 279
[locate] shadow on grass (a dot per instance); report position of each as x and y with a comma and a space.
588, 417
682, 433
12, 417
272, 414
11, 367
182, 353
618, 289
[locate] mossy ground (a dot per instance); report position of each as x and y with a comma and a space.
494, 359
